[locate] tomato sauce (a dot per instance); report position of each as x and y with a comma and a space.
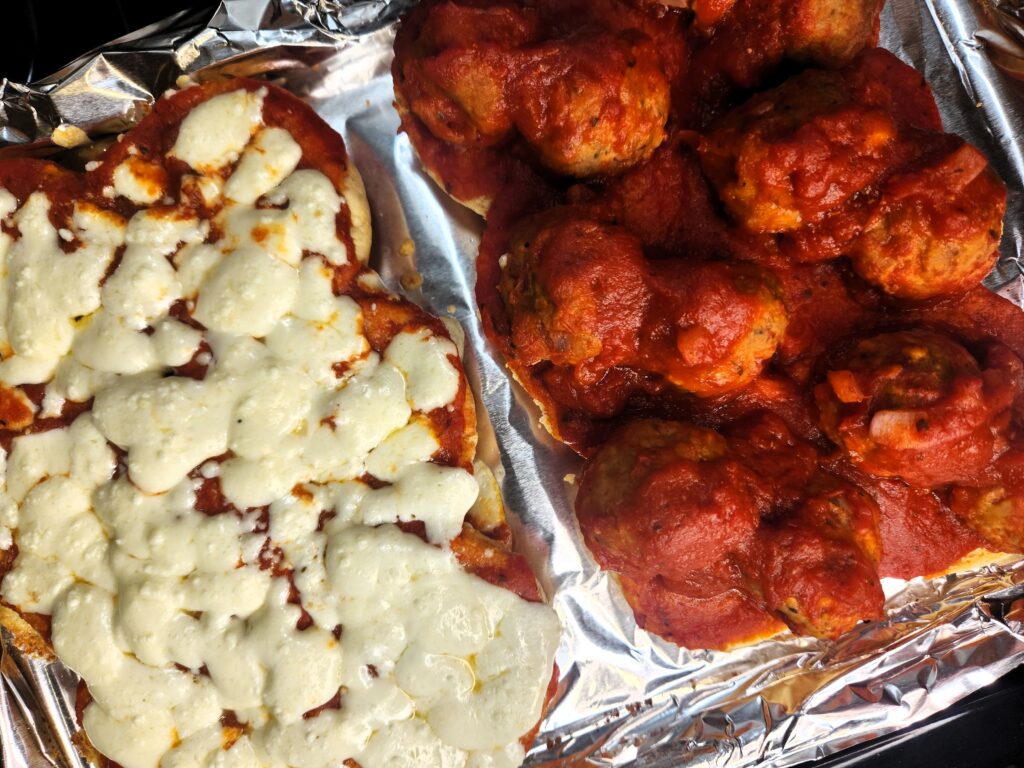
920, 535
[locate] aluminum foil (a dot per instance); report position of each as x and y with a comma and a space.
625, 697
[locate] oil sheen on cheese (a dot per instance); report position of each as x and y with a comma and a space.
164, 610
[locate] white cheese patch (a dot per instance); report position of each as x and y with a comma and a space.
414, 444
138, 711
474, 658
134, 180
313, 205
144, 285
45, 289
109, 345
438, 496
433, 381
270, 159
167, 426
193, 264
154, 561
249, 291
268, 230
216, 132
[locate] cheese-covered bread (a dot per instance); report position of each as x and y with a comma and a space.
238, 469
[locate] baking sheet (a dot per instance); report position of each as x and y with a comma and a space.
625, 697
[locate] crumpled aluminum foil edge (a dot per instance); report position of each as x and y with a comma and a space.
625, 697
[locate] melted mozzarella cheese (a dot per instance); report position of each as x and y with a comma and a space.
172, 615
144, 285
134, 179
270, 159
45, 289
424, 359
313, 205
217, 131
249, 290
475, 659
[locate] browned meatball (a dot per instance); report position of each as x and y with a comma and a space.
454, 72
995, 509
820, 562
936, 228
712, 325
854, 163
830, 32
740, 44
792, 155
587, 101
460, 95
576, 293
919, 406
592, 105
668, 498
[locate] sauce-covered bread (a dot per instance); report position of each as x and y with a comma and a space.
239, 471
749, 521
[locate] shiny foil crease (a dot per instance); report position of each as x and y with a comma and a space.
625, 697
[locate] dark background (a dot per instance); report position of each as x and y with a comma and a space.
985, 730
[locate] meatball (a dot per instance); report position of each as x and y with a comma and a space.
820, 562
712, 325
586, 101
995, 509
854, 163
919, 406
765, 444
460, 95
741, 44
829, 32
576, 292
667, 202
935, 229
592, 105
453, 66
667, 499
792, 155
